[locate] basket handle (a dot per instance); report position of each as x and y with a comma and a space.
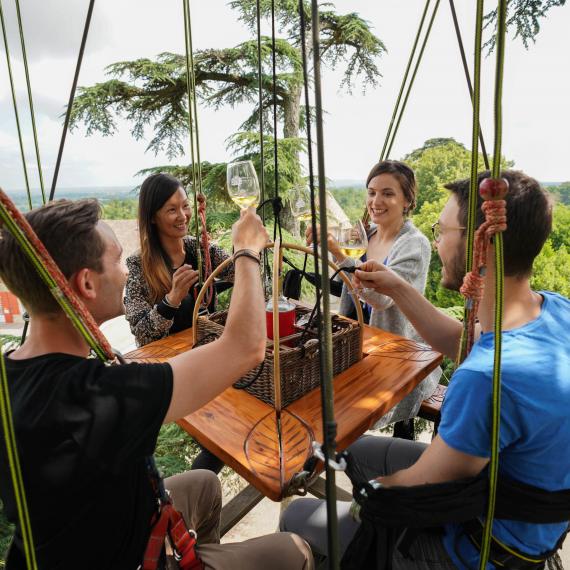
292, 246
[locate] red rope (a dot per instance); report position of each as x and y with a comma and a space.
495, 209
205, 243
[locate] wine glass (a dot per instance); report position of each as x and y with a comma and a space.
352, 240
243, 186
300, 201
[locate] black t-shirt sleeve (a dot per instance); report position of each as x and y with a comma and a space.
114, 413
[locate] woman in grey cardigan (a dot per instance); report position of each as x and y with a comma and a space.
394, 240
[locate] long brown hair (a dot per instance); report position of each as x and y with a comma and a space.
154, 193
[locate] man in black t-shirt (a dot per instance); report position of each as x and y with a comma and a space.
83, 428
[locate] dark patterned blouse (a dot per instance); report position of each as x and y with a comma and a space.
150, 321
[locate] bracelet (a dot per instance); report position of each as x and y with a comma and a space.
169, 304
247, 253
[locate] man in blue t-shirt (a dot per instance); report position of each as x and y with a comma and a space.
535, 424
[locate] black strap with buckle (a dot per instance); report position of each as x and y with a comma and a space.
508, 556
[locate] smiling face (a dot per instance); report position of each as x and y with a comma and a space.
172, 219
451, 246
385, 200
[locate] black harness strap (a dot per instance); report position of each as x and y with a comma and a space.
388, 514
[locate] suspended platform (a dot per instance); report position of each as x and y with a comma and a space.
243, 431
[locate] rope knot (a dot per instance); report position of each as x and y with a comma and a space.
473, 285
495, 216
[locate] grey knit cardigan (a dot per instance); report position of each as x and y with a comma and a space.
409, 257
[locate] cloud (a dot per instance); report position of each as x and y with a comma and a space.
53, 29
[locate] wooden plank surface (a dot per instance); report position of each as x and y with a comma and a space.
244, 431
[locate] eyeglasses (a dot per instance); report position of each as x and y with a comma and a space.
436, 230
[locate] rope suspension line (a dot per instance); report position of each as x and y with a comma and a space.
404, 79
467, 76
15, 468
277, 223
260, 96
203, 252
266, 270
30, 100
303, 25
71, 99
470, 309
499, 283
189, 92
409, 90
325, 354
15, 104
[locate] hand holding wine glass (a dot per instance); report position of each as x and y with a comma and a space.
243, 186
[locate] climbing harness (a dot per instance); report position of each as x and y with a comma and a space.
168, 523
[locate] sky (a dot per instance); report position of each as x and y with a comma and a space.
536, 121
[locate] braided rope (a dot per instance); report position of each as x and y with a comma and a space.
30, 100
404, 79
54, 279
493, 191
473, 283
409, 90
15, 468
205, 243
15, 104
192, 129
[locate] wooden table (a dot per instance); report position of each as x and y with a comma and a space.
243, 431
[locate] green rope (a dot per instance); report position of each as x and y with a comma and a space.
420, 55
30, 100
15, 468
474, 187
193, 129
14, 101
397, 105
499, 291
50, 282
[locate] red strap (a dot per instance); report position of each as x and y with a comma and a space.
155, 544
184, 542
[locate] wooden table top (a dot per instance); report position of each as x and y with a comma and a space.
243, 431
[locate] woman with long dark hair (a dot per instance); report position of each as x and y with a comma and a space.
159, 298
394, 241
159, 295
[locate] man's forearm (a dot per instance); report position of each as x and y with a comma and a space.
443, 333
246, 317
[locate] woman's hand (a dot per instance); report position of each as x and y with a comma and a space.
374, 275
183, 279
332, 244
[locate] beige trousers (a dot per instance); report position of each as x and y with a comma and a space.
197, 495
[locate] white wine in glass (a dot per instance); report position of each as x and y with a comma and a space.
243, 186
301, 204
353, 240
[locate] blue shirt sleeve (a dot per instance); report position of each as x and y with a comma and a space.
466, 414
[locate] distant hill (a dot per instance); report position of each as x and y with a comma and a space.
103, 193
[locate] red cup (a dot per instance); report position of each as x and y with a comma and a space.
286, 323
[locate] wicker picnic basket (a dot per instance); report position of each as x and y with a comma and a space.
293, 359
299, 363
